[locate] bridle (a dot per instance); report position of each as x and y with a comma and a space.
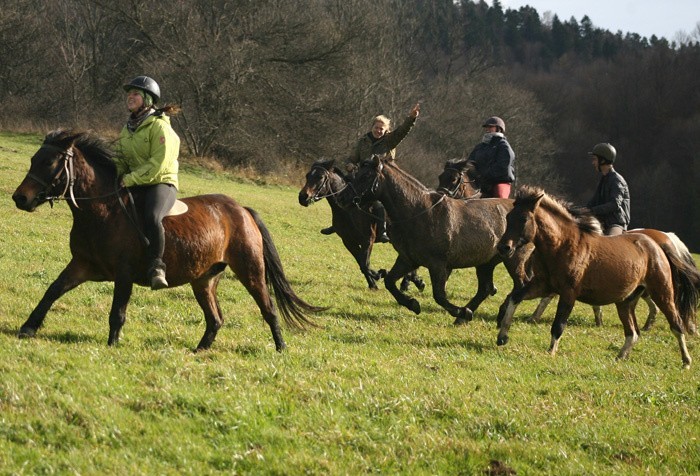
67, 168
452, 192
325, 185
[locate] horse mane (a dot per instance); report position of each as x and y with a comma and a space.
406, 176
583, 218
95, 149
329, 164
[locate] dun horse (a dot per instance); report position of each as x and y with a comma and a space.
106, 244
583, 265
435, 231
355, 227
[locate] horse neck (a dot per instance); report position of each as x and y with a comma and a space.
555, 231
402, 194
336, 184
91, 186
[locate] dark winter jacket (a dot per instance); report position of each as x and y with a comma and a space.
611, 201
494, 162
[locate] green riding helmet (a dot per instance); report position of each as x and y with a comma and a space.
146, 84
604, 151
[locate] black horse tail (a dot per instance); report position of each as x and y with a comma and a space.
686, 280
291, 306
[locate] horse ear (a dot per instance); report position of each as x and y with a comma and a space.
377, 162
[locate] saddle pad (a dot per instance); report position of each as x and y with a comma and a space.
178, 209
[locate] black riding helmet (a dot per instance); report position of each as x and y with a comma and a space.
146, 84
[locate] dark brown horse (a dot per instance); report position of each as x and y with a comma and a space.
435, 231
356, 227
106, 244
583, 265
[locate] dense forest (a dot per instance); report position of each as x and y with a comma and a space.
272, 85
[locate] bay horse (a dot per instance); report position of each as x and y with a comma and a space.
106, 244
433, 230
583, 265
460, 180
356, 228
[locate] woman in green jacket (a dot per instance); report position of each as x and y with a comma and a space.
147, 152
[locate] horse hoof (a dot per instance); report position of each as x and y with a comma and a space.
414, 306
26, 333
494, 290
502, 340
420, 285
464, 316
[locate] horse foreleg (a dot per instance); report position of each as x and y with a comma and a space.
564, 308
438, 278
71, 277
507, 310
653, 310
485, 288
400, 268
205, 293
117, 315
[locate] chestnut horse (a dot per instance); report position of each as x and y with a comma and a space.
433, 230
356, 228
106, 243
583, 265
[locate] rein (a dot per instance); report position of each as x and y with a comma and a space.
358, 198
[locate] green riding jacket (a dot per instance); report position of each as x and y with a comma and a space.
149, 155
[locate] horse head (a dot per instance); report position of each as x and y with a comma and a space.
51, 171
458, 179
322, 180
365, 185
55, 167
520, 221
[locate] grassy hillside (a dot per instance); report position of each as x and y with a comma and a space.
375, 389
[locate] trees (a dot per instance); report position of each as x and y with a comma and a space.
268, 84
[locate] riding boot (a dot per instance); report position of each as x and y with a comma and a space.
156, 274
328, 231
380, 216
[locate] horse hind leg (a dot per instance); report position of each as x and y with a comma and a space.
205, 293
625, 311
653, 310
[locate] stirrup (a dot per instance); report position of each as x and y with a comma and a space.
383, 238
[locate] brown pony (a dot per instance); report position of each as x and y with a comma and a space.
459, 180
583, 265
106, 243
356, 228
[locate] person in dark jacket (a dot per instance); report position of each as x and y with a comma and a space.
380, 140
494, 160
611, 200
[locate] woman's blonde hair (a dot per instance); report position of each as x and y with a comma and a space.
383, 119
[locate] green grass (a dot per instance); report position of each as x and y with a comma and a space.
375, 389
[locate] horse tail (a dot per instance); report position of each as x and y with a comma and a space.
686, 278
683, 251
291, 306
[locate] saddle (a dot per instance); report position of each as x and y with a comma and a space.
178, 208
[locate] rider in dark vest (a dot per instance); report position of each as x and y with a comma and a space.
611, 201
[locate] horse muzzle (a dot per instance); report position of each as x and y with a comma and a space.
27, 201
506, 249
304, 199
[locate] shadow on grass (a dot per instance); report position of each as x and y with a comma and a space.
65, 337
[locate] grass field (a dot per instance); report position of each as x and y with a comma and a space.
375, 389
